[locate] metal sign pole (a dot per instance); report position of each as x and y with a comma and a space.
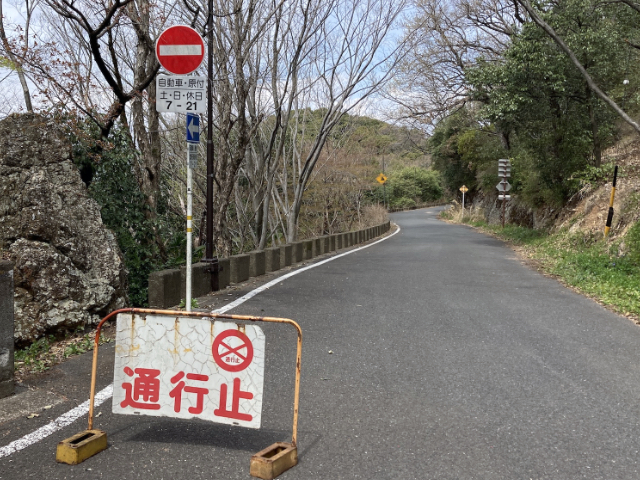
464, 190
180, 50
384, 187
189, 227
504, 172
213, 260
384, 198
193, 139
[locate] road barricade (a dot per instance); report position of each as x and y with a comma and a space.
189, 365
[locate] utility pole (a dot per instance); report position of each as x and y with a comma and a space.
213, 261
384, 185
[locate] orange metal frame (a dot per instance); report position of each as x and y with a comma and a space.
177, 313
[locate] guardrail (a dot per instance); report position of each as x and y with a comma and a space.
167, 287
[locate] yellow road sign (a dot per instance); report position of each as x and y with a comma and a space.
382, 179
464, 189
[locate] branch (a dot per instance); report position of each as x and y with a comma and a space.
634, 45
592, 85
631, 4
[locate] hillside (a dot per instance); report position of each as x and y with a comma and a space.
587, 211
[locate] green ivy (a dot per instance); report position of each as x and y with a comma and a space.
109, 171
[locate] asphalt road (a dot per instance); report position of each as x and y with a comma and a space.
450, 360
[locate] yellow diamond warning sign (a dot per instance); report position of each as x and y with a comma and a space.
382, 179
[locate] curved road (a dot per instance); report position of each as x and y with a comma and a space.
432, 355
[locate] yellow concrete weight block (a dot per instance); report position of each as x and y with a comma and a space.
81, 446
272, 461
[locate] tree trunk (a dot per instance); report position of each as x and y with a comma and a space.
597, 144
14, 60
146, 124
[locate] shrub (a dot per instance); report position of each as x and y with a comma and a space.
410, 186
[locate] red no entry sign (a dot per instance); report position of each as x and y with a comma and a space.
180, 49
232, 351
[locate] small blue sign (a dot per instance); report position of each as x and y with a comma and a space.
193, 128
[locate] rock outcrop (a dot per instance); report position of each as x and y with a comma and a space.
68, 267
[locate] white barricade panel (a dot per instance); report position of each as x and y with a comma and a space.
189, 368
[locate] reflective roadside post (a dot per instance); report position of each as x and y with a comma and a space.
613, 194
193, 139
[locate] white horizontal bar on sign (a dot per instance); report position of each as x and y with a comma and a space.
167, 50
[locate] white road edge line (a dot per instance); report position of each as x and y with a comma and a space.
60, 422
106, 393
270, 284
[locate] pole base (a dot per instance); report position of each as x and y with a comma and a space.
77, 449
272, 461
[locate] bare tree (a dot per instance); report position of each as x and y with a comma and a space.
286, 52
354, 61
15, 50
446, 38
308, 54
99, 21
238, 27
97, 72
145, 117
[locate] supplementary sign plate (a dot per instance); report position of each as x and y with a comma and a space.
189, 368
192, 152
181, 93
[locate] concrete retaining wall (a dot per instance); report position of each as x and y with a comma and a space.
272, 259
286, 255
298, 252
308, 247
240, 265
167, 287
6, 328
257, 263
